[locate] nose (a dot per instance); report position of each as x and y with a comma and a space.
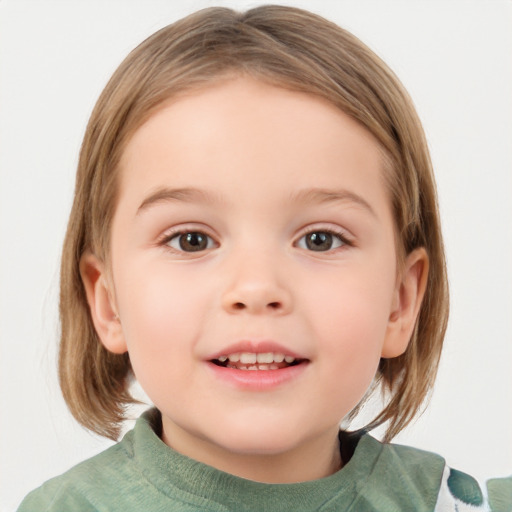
257, 286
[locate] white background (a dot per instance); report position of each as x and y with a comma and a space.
455, 59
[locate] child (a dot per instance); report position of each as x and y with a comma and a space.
255, 238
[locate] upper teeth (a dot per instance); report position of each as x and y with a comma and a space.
252, 358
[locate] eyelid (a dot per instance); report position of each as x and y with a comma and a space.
181, 229
346, 237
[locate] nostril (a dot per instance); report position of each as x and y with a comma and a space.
255, 306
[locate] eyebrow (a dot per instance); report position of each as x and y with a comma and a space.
164, 195
311, 195
322, 196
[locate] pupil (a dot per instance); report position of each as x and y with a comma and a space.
319, 241
193, 242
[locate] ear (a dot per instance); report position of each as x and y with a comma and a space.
102, 304
410, 289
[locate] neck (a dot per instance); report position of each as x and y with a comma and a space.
311, 460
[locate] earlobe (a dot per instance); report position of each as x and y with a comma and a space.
101, 303
409, 294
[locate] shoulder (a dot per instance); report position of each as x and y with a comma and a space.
84, 485
406, 478
403, 476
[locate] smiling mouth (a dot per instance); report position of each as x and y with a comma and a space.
257, 361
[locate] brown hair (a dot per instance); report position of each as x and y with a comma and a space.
290, 48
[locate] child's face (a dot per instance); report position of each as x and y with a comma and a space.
253, 220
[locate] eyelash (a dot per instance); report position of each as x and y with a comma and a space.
342, 236
343, 239
168, 237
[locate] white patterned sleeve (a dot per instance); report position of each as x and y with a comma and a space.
460, 492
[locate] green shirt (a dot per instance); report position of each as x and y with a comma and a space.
141, 473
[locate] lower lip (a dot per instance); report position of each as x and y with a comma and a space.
257, 380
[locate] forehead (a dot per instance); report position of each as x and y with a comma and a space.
240, 130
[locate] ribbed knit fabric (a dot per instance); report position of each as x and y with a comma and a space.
141, 473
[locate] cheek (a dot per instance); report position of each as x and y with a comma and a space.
353, 332
353, 303
152, 298
351, 324
351, 351
160, 314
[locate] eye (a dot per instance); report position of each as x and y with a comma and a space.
321, 241
191, 241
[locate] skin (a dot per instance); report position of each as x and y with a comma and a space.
258, 155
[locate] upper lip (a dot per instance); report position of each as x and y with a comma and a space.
255, 347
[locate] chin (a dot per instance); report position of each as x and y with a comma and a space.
261, 439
